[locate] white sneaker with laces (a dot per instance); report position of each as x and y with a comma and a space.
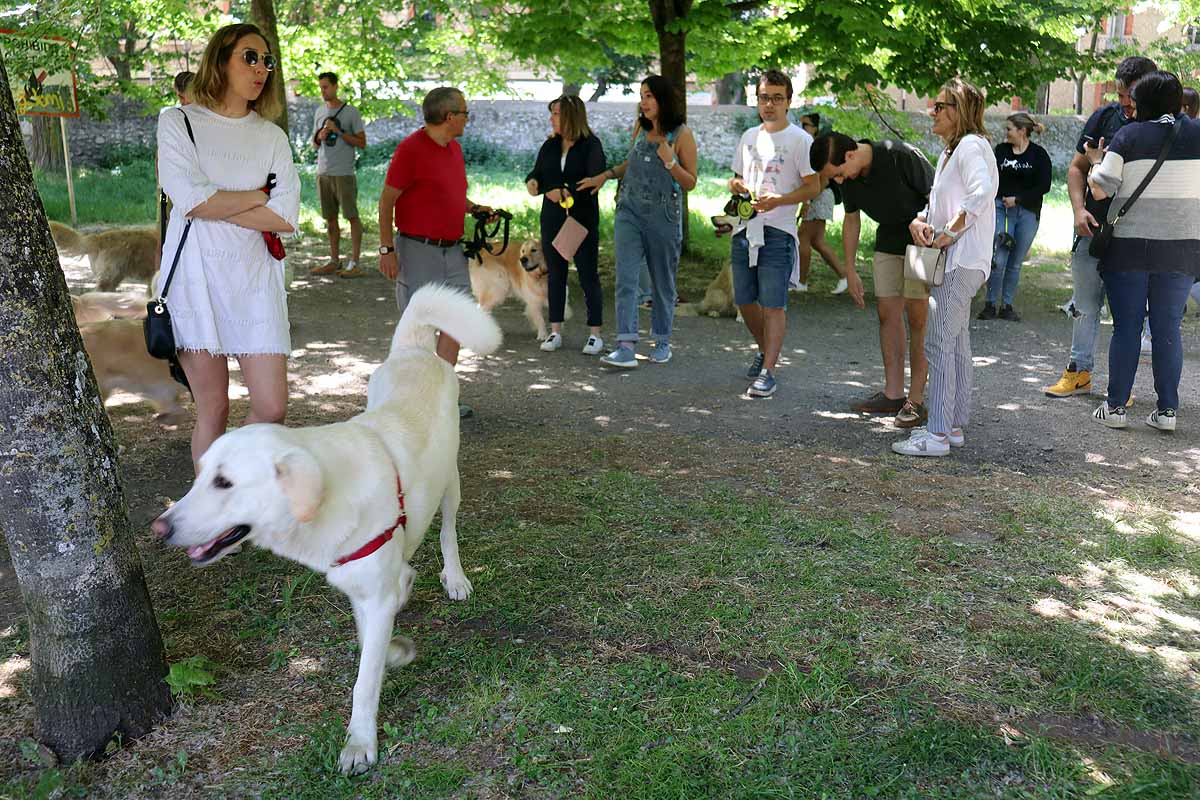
594, 346
552, 343
1110, 417
841, 287
956, 439
1163, 420
924, 444
801, 287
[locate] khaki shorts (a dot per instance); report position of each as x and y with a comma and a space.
335, 191
888, 270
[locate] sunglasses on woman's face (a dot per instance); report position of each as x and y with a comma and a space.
939, 107
251, 57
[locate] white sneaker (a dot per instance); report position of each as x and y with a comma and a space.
841, 287
1110, 417
923, 445
1147, 345
594, 346
552, 343
956, 440
1163, 420
801, 287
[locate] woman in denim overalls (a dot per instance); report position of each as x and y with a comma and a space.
661, 166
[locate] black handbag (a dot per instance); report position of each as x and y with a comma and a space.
1102, 238
160, 338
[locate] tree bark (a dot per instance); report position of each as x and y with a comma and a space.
262, 14
569, 88
97, 656
672, 56
731, 89
1081, 75
46, 146
601, 89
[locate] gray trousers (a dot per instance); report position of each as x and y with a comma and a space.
948, 348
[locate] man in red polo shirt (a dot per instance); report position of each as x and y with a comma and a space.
426, 193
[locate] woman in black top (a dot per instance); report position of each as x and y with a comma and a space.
1024, 180
570, 155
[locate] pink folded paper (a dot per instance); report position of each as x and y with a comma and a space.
569, 237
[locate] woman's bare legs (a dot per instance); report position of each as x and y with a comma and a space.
209, 379
266, 380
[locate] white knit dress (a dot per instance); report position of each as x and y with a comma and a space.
228, 295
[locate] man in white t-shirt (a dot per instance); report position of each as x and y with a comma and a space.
771, 165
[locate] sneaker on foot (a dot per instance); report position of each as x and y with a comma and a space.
1163, 420
594, 346
661, 353
552, 343
956, 439
912, 415
841, 287
1008, 313
923, 444
1070, 383
1110, 417
755, 366
325, 269
352, 270
988, 312
623, 357
764, 385
801, 287
879, 403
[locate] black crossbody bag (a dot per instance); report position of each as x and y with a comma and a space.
1102, 238
160, 337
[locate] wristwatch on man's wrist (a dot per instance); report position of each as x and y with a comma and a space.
384, 249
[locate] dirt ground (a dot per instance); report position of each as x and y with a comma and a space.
341, 329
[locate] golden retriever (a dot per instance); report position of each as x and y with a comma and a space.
114, 255
117, 349
519, 271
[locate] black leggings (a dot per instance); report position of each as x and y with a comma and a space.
587, 259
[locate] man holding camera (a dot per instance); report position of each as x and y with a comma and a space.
337, 130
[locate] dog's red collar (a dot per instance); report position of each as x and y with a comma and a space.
383, 538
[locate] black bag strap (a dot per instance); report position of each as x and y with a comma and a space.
1162, 156
162, 296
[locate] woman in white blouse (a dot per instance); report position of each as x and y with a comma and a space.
227, 297
960, 220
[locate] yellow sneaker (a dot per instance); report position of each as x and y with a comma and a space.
1071, 383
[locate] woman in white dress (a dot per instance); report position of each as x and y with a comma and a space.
227, 298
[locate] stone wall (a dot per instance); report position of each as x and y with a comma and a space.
521, 126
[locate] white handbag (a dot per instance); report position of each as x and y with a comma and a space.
926, 265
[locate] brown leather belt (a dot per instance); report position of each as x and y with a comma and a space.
434, 242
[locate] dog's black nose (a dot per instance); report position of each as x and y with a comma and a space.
161, 528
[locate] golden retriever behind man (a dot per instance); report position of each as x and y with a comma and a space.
520, 271
115, 255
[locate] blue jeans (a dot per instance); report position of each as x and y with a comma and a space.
1022, 225
1085, 306
766, 283
650, 235
1128, 295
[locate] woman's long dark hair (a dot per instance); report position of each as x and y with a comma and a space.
670, 104
1157, 93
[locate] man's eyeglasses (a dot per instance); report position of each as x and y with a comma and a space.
771, 100
463, 114
940, 107
251, 57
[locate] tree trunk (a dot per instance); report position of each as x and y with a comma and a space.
601, 89
569, 88
97, 656
1081, 75
262, 14
731, 89
672, 54
1042, 103
47, 145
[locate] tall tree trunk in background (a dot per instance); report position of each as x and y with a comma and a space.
98, 666
668, 16
569, 88
731, 89
601, 89
1081, 74
262, 14
46, 146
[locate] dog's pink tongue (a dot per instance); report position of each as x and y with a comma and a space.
197, 550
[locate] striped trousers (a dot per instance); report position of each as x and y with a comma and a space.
948, 349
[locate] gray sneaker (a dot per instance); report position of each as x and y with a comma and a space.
764, 385
755, 366
623, 357
661, 353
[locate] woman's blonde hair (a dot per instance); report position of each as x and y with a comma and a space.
970, 102
572, 117
1024, 122
209, 85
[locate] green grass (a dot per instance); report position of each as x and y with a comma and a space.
633, 636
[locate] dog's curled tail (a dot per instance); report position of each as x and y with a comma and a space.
67, 239
443, 308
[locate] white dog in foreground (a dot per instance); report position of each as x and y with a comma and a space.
352, 500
